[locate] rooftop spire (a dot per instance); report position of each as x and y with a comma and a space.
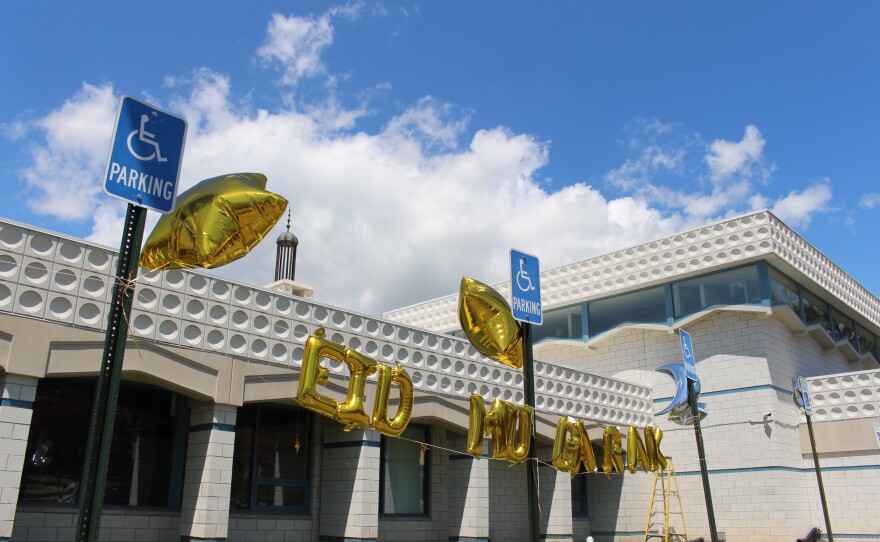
285, 255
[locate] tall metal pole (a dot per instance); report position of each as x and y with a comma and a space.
704, 471
531, 462
94, 477
819, 478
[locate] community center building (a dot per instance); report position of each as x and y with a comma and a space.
210, 443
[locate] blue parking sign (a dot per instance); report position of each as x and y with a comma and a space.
687, 355
145, 156
525, 288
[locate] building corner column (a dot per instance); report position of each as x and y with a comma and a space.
204, 511
468, 495
17, 394
349, 485
555, 498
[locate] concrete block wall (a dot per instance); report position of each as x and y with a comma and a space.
349, 484
468, 493
508, 502
852, 489
208, 476
555, 500
58, 524
17, 394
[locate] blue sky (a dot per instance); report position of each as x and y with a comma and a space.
419, 141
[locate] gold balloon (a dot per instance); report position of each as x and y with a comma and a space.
586, 457
476, 425
636, 455
488, 323
509, 425
497, 427
565, 445
653, 436
215, 222
352, 412
572, 447
519, 431
381, 423
613, 450
313, 374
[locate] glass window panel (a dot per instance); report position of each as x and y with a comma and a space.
142, 447
843, 328
867, 343
289, 496
560, 324
644, 306
784, 291
404, 477
276, 446
140, 471
57, 441
243, 457
267, 469
816, 311
734, 287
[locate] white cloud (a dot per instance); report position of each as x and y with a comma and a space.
869, 201
296, 43
727, 158
65, 172
384, 219
798, 207
429, 121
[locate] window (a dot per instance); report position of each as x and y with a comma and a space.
843, 329
734, 287
579, 496
403, 473
867, 343
270, 463
645, 306
146, 454
784, 291
560, 324
816, 311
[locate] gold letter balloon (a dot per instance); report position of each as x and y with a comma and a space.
351, 412
488, 324
215, 222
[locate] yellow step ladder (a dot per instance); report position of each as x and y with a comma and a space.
658, 520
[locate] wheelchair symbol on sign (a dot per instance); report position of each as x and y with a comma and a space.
685, 350
147, 138
522, 277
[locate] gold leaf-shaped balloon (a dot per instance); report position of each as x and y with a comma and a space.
215, 222
488, 323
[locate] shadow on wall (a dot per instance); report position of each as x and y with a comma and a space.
603, 502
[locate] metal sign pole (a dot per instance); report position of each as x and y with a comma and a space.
94, 477
819, 478
704, 471
532, 461
802, 400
